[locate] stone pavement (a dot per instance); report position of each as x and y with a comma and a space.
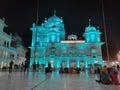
51, 81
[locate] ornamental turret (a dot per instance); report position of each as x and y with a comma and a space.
92, 34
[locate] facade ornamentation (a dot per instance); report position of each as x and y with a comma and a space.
49, 45
7, 51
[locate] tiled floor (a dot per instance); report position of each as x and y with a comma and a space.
53, 81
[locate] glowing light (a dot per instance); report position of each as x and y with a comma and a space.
118, 55
68, 41
52, 46
78, 63
96, 61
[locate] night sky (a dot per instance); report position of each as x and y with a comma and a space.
20, 14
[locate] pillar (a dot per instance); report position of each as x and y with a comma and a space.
78, 63
68, 63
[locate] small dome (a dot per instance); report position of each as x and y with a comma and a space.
72, 37
90, 29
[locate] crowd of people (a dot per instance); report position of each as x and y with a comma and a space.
106, 75
24, 66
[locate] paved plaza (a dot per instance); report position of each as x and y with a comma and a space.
51, 81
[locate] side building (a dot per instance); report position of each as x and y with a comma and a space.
7, 50
49, 45
18, 44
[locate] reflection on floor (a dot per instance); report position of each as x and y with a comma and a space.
51, 81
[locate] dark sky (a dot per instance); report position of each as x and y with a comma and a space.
20, 14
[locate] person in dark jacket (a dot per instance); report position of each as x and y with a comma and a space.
104, 76
11, 66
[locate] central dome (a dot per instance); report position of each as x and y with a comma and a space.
53, 21
55, 18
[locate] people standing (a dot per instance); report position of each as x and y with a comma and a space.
97, 73
118, 67
11, 66
34, 67
22, 67
26, 66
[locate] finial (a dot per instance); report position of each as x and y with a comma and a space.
42, 24
54, 12
98, 27
61, 19
45, 19
33, 24
3, 19
89, 22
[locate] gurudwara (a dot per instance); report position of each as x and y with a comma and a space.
48, 44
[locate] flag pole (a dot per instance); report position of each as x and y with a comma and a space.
105, 32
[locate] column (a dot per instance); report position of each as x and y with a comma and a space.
68, 63
78, 63
58, 63
86, 63
46, 64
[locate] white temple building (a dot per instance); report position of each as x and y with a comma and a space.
7, 51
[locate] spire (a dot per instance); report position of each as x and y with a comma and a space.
61, 19
45, 19
89, 22
33, 25
54, 12
42, 24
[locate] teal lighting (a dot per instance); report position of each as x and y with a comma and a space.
49, 46
86, 63
68, 64
53, 38
78, 63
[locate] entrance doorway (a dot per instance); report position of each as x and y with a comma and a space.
73, 64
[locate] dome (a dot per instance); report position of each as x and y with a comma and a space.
55, 18
90, 29
72, 37
53, 21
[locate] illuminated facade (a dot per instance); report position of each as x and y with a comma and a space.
7, 51
17, 43
49, 45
